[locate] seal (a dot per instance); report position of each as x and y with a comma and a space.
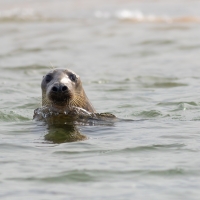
64, 106
62, 91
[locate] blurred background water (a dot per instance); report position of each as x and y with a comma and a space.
138, 60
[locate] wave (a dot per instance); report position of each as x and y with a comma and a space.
84, 175
10, 116
138, 16
19, 14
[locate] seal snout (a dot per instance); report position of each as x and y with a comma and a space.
59, 87
59, 94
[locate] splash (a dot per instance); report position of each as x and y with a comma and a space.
75, 115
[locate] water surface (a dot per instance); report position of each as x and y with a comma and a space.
137, 60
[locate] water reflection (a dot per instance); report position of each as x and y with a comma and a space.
61, 133
62, 128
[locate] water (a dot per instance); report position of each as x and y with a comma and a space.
137, 60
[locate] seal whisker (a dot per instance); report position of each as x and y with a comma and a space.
79, 96
45, 101
51, 66
75, 103
78, 100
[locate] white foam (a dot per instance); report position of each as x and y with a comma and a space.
127, 14
19, 14
135, 15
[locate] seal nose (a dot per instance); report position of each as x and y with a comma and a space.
59, 88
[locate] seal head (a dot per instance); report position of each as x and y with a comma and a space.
62, 91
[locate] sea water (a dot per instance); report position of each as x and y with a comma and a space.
137, 60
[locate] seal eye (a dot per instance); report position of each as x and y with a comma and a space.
72, 77
48, 78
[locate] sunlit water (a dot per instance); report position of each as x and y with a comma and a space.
139, 61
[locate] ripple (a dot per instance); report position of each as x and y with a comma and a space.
180, 106
148, 114
26, 67
10, 147
192, 103
159, 82
11, 116
154, 147
111, 175
186, 106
